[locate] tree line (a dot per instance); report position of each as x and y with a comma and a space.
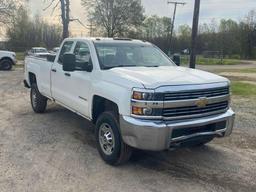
25, 32
126, 18
226, 38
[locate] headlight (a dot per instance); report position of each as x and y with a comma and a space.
137, 95
145, 103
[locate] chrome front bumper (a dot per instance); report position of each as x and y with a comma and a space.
157, 135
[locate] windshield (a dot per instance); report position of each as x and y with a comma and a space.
41, 50
130, 55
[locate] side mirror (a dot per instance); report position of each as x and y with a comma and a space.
89, 66
69, 62
176, 59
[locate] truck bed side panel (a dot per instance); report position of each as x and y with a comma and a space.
42, 70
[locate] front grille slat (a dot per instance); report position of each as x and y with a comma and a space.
195, 94
180, 109
207, 110
180, 112
192, 94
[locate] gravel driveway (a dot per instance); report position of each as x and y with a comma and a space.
56, 151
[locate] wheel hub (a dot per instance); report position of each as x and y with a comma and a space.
106, 139
34, 98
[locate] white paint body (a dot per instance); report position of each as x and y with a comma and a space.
8, 55
115, 84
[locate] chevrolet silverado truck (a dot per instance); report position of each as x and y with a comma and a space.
133, 93
7, 60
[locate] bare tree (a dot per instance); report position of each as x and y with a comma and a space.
115, 17
65, 14
7, 10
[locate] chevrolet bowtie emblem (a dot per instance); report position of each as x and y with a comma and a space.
202, 102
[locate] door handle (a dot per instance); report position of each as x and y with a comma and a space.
54, 70
67, 74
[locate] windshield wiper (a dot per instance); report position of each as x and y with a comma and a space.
110, 67
152, 66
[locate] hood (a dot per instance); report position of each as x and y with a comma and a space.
7, 52
154, 77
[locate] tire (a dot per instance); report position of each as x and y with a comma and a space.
6, 64
120, 153
38, 101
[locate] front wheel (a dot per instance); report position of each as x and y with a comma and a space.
109, 141
38, 101
6, 64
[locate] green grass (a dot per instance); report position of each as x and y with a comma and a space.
210, 61
252, 70
18, 66
247, 70
243, 89
20, 56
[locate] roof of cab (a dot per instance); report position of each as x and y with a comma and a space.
109, 40
38, 48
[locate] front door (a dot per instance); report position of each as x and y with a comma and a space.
72, 88
59, 89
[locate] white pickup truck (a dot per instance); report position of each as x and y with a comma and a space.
136, 96
7, 60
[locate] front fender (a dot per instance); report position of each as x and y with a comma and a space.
115, 93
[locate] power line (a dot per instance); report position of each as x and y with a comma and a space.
173, 19
88, 27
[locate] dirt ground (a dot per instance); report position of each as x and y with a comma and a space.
56, 151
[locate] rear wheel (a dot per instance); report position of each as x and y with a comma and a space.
6, 64
38, 101
109, 141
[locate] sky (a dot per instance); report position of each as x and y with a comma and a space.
210, 9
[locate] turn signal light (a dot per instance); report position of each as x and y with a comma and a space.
141, 111
142, 95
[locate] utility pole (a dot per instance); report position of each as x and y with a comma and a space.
194, 34
173, 20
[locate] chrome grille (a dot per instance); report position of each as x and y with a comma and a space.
191, 111
194, 94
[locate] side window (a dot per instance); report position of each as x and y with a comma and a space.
67, 46
83, 56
